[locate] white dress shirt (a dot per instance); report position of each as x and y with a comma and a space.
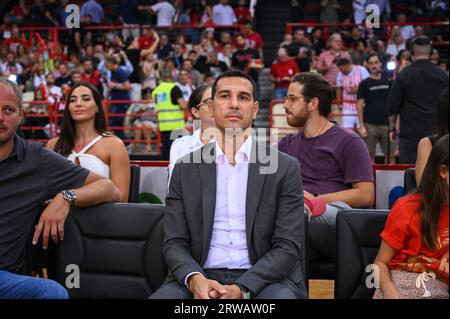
183, 146
228, 248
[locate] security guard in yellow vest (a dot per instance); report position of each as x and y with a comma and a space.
169, 108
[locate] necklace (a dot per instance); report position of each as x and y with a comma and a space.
312, 144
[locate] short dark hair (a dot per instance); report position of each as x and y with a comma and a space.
315, 85
421, 45
343, 61
370, 56
233, 74
196, 97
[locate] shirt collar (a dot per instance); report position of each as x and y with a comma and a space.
241, 156
18, 149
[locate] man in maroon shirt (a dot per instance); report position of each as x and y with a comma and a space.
336, 166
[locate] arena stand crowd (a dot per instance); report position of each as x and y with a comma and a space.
132, 51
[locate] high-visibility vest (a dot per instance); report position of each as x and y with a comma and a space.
170, 116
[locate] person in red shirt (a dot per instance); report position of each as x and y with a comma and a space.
252, 38
147, 38
281, 73
242, 12
414, 247
15, 40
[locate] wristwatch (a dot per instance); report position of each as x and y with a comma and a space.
245, 293
70, 196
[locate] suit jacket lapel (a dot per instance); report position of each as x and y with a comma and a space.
207, 173
255, 183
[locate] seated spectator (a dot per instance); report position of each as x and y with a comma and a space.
10, 60
359, 53
242, 12
407, 31
64, 76
226, 54
426, 143
184, 84
214, 66
164, 47
397, 43
287, 40
269, 266
223, 14
85, 141
300, 50
347, 82
318, 44
326, 63
54, 92
144, 121
15, 40
198, 106
413, 257
90, 75
355, 37
30, 175
336, 166
281, 73
194, 75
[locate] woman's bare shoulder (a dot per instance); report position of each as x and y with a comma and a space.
110, 140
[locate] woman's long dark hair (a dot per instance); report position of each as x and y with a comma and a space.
434, 192
442, 115
66, 139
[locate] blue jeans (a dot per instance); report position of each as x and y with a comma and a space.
14, 286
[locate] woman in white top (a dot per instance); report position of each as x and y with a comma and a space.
198, 104
85, 141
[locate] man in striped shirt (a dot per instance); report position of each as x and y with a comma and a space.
347, 82
326, 63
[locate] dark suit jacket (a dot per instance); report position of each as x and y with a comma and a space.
274, 217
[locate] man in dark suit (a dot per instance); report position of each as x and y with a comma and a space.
234, 221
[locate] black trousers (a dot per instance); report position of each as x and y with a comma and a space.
408, 150
166, 144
